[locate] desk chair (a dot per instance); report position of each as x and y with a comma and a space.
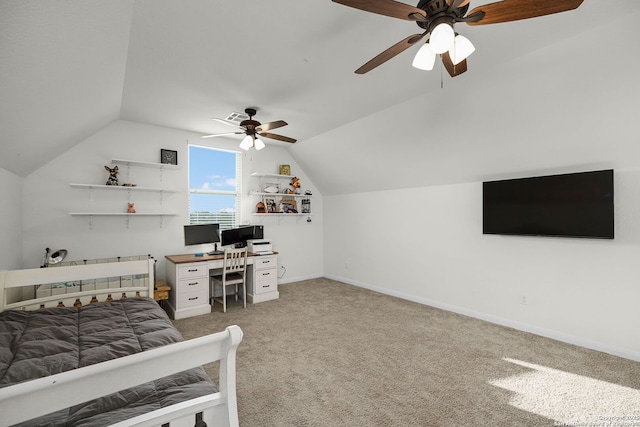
234, 269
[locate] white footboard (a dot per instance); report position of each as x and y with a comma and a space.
18, 402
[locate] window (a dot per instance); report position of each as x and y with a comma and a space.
214, 186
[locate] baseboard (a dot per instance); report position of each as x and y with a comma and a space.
548, 333
283, 281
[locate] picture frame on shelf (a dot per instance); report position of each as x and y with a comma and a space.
288, 206
271, 205
285, 170
168, 157
305, 206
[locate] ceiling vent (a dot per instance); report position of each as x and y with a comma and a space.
237, 117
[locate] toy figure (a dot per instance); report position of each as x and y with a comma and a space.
113, 175
130, 208
295, 185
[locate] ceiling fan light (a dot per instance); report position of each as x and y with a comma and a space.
246, 143
425, 58
259, 144
441, 39
462, 48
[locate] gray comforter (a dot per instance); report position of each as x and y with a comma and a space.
44, 342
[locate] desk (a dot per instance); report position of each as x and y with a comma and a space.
188, 275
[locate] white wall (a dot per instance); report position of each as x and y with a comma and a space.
426, 244
48, 200
10, 220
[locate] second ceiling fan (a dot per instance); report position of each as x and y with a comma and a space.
253, 129
437, 19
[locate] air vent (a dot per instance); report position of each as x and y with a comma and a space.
237, 117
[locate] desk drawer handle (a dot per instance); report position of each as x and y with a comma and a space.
191, 271
266, 286
266, 274
266, 261
192, 283
191, 299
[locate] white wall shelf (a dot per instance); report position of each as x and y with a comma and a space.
143, 164
274, 199
128, 190
120, 188
120, 214
257, 193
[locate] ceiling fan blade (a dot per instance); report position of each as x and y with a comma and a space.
271, 125
390, 53
453, 70
390, 8
223, 134
457, 3
226, 122
278, 137
513, 10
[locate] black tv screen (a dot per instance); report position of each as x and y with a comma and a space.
569, 205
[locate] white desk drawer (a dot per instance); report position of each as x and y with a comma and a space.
262, 262
194, 285
188, 271
266, 281
191, 299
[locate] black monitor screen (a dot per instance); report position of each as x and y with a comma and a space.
569, 205
239, 236
198, 234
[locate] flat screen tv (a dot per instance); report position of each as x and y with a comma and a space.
568, 205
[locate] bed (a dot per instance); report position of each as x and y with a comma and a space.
106, 356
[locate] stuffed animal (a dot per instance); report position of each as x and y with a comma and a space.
295, 185
261, 208
130, 208
113, 175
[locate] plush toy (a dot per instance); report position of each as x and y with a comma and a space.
295, 185
130, 208
113, 175
261, 208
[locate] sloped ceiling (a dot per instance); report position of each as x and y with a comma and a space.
71, 67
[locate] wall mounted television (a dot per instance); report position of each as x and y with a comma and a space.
568, 205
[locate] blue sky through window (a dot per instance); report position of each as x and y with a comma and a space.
211, 169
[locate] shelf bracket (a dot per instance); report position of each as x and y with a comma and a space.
90, 222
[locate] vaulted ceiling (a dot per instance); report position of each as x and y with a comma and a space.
71, 67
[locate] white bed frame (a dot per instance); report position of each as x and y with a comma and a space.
31, 399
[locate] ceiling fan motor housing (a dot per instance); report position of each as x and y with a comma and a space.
438, 12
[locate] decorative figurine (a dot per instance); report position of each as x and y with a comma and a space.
130, 208
261, 208
113, 175
295, 185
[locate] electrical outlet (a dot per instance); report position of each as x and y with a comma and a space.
524, 300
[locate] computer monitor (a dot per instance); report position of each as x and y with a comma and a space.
239, 236
200, 234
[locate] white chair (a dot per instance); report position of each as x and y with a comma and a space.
234, 269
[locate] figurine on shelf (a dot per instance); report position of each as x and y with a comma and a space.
295, 185
130, 208
113, 175
261, 208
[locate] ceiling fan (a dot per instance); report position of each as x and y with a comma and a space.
437, 19
252, 129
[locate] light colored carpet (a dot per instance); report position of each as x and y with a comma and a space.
331, 354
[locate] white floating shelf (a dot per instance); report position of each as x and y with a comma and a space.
120, 214
255, 193
272, 175
281, 214
120, 187
144, 164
